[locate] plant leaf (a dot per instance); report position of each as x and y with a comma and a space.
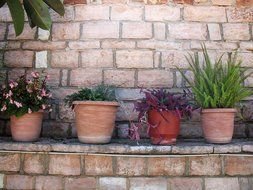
56, 5
38, 13
2, 3
17, 14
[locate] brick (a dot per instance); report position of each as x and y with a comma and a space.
236, 31
15, 73
85, 77
80, 45
10, 58
240, 14
43, 34
68, 16
27, 34
123, 131
223, 3
144, 30
64, 59
61, 93
155, 78
215, 46
205, 14
125, 12
247, 3
147, 183
185, 183
19, 182
100, 30
159, 31
55, 129
9, 162
112, 183
81, 183
248, 46
234, 167
65, 31
162, 13
2, 31
246, 59
41, 59
205, 165
184, 1
48, 182
54, 77
214, 31
97, 58
86, 12
166, 166
128, 94
12, 45
5, 14
38, 45
98, 165
130, 166
158, 45
118, 44
122, 78
187, 31
221, 183
64, 164
134, 59
34, 163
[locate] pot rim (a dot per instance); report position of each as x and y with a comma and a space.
219, 110
99, 103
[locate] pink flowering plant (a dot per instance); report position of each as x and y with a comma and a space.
25, 95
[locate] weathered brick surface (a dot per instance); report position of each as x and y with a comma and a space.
68, 16
144, 30
9, 162
10, 58
65, 31
85, 12
27, 34
118, 44
81, 183
98, 165
247, 3
64, 59
159, 31
85, 77
240, 14
124, 12
161, 13
38, 45
19, 182
128, 166
222, 183
214, 31
166, 166
234, 167
34, 163
2, 31
48, 182
64, 164
222, 2
185, 183
148, 183
80, 45
236, 31
112, 183
97, 58
122, 78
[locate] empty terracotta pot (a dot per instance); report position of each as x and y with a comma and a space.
95, 121
167, 127
27, 127
218, 125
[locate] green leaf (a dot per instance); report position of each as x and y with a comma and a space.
56, 5
17, 14
38, 13
2, 3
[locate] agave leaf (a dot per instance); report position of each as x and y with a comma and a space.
39, 13
17, 14
56, 5
2, 3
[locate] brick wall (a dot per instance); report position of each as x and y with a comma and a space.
127, 43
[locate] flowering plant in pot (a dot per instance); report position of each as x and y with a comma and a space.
25, 100
95, 112
217, 88
160, 111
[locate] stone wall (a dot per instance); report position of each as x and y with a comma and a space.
127, 43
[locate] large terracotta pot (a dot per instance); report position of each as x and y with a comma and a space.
218, 125
167, 127
95, 121
27, 127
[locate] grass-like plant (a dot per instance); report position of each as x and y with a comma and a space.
98, 93
217, 84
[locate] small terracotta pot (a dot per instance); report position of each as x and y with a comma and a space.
167, 127
26, 128
95, 121
218, 125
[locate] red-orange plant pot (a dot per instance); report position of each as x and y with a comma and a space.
166, 127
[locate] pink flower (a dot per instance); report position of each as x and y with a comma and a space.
29, 110
4, 108
35, 74
19, 105
43, 106
9, 94
11, 101
11, 85
43, 93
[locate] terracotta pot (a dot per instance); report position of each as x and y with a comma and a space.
27, 127
95, 121
167, 127
218, 125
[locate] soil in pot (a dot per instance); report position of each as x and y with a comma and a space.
95, 121
167, 126
218, 125
26, 128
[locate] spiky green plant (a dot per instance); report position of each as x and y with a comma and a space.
218, 84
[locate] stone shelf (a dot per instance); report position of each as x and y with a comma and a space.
183, 147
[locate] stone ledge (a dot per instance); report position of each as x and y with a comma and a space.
186, 147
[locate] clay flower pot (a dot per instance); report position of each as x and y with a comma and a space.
167, 127
218, 125
95, 121
27, 127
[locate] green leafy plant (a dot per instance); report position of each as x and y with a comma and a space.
25, 95
37, 12
98, 93
218, 84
